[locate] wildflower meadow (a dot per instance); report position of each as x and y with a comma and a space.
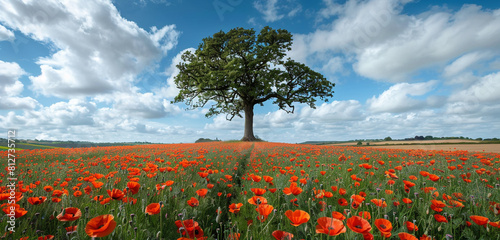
244, 190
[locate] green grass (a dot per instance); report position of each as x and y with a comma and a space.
7, 148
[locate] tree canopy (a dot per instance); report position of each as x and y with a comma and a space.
234, 71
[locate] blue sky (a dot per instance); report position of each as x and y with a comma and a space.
103, 70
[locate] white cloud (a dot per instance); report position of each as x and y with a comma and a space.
484, 91
108, 55
171, 90
145, 105
332, 9
9, 79
464, 62
333, 65
268, 9
6, 34
390, 46
431, 40
274, 10
335, 111
397, 98
11, 88
63, 114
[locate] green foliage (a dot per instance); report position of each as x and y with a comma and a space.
200, 140
239, 69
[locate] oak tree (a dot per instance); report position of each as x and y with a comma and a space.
234, 71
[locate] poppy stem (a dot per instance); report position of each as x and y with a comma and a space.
161, 230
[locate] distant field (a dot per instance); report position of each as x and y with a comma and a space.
6, 148
494, 148
440, 141
442, 144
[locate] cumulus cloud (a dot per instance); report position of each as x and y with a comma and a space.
398, 97
335, 111
171, 90
6, 34
145, 105
109, 53
390, 46
480, 97
11, 88
431, 40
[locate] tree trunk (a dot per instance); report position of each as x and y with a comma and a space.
248, 136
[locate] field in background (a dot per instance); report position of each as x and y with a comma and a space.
237, 190
406, 142
448, 147
444, 144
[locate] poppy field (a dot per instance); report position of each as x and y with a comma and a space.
243, 190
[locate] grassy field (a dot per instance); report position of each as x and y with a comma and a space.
254, 191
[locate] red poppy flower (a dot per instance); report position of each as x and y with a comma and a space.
257, 200
343, 202
235, 208
116, 194
69, 214
189, 227
264, 210
282, 235
100, 226
297, 217
384, 226
193, 202
359, 225
71, 229
19, 212
338, 215
293, 189
268, 179
133, 187
366, 215
202, 192
153, 208
411, 227
330, 226
36, 200
406, 236
258, 191
408, 183
479, 220
234, 236
256, 178
440, 218
379, 202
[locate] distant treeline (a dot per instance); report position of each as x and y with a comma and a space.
200, 140
46, 144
